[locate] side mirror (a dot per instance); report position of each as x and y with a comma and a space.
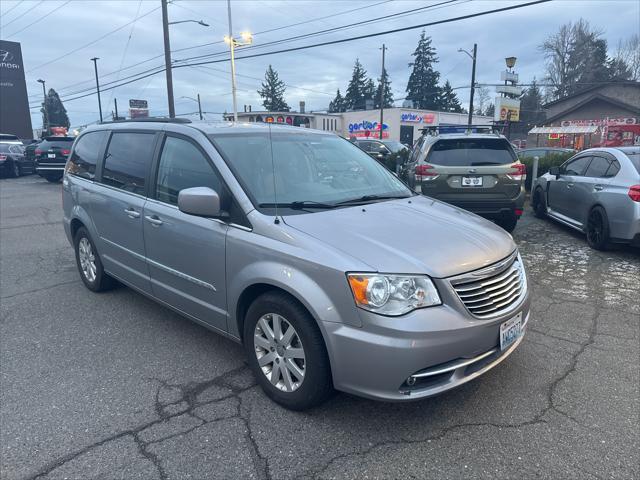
200, 201
555, 171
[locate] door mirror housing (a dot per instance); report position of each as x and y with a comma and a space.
555, 171
200, 201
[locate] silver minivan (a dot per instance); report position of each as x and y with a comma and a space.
329, 270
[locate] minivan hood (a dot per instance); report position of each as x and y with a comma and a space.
415, 235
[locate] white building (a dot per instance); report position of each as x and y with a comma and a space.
402, 124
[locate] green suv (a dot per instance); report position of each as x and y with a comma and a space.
474, 169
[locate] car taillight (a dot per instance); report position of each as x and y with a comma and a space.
3, 157
634, 193
38, 152
425, 171
65, 151
518, 171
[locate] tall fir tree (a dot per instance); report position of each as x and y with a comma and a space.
531, 101
337, 104
422, 88
57, 114
355, 97
449, 99
370, 93
384, 89
272, 92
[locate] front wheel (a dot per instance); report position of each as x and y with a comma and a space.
89, 264
14, 170
598, 228
539, 204
286, 352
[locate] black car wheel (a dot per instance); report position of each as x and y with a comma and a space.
598, 228
286, 352
539, 204
14, 170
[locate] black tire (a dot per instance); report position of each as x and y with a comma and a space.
597, 229
539, 204
317, 385
53, 178
508, 222
14, 170
102, 281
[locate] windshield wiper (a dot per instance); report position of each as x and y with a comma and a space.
298, 205
368, 198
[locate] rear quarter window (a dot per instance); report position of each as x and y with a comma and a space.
85, 154
635, 160
467, 152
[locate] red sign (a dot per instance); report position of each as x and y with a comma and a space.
601, 122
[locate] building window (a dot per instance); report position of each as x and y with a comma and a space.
324, 124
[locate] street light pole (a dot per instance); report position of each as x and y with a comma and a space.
95, 67
382, 85
167, 58
233, 64
473, 83
199, 107
45, 120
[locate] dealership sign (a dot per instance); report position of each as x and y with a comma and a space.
15, 118
412, 117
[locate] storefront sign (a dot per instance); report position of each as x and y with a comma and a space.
601, 122
364, 126
507, 109
413, 117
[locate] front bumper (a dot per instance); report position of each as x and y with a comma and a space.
376, 361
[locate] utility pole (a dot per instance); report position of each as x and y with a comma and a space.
45, 120
232, 45
473, 83
115, 102
95, 66
199, 107
382, 85
167, 58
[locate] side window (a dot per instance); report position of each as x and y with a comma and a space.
598, 167
613, 169
127, 161
182, 165
364, 145
84, 158
577, 166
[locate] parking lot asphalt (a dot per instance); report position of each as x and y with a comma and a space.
114, 386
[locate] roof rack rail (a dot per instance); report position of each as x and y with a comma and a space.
467, 129
150, 119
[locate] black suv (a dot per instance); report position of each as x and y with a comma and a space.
51, 157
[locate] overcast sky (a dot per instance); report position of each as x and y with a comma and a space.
54, 47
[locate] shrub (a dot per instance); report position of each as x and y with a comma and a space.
544, 164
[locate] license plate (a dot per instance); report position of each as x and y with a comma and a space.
510, 331
471, 181
51, 155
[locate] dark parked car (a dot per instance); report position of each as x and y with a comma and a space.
13, 162
473, 169
51, 156
596, 192
30, 151
384, 150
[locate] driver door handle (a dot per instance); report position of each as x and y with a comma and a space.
132, 213
154, 220
598, 187
569, 185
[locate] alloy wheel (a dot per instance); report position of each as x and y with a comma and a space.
279, 352
87, 259
595, 228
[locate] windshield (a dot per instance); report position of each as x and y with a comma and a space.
394, 146
308, 168
467, 152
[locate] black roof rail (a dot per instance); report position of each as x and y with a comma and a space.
438, 129
149, 119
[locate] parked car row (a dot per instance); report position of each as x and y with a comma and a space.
46, 157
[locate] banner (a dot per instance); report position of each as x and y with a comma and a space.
14, 104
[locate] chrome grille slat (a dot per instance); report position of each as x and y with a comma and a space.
496, 290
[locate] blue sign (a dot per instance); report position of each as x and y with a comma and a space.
366, 125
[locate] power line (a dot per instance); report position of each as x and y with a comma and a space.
22, 14
13, 8
93, 41
39, 19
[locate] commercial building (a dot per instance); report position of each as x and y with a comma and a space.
603, 115
402, 124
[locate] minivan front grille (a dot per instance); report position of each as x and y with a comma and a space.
494, 290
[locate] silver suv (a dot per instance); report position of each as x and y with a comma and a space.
296, 243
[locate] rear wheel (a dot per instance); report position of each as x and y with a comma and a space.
508, 222
286, 352
53, 178
14, 170
598, 228
539, 204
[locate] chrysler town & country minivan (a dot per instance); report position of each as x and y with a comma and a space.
329, 270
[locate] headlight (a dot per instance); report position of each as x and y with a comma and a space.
392, 294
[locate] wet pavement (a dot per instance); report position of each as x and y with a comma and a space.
115, 386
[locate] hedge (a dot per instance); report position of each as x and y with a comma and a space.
544, 164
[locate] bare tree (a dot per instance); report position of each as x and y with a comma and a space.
483, 100
557, 52
628, 52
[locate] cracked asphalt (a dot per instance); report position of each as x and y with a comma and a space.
114, 386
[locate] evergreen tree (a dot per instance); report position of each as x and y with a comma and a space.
272, 92
57, 114
337, 104
357, 89
422, 88
490, 111
370, 93
384, 88
449, 99
531, 112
